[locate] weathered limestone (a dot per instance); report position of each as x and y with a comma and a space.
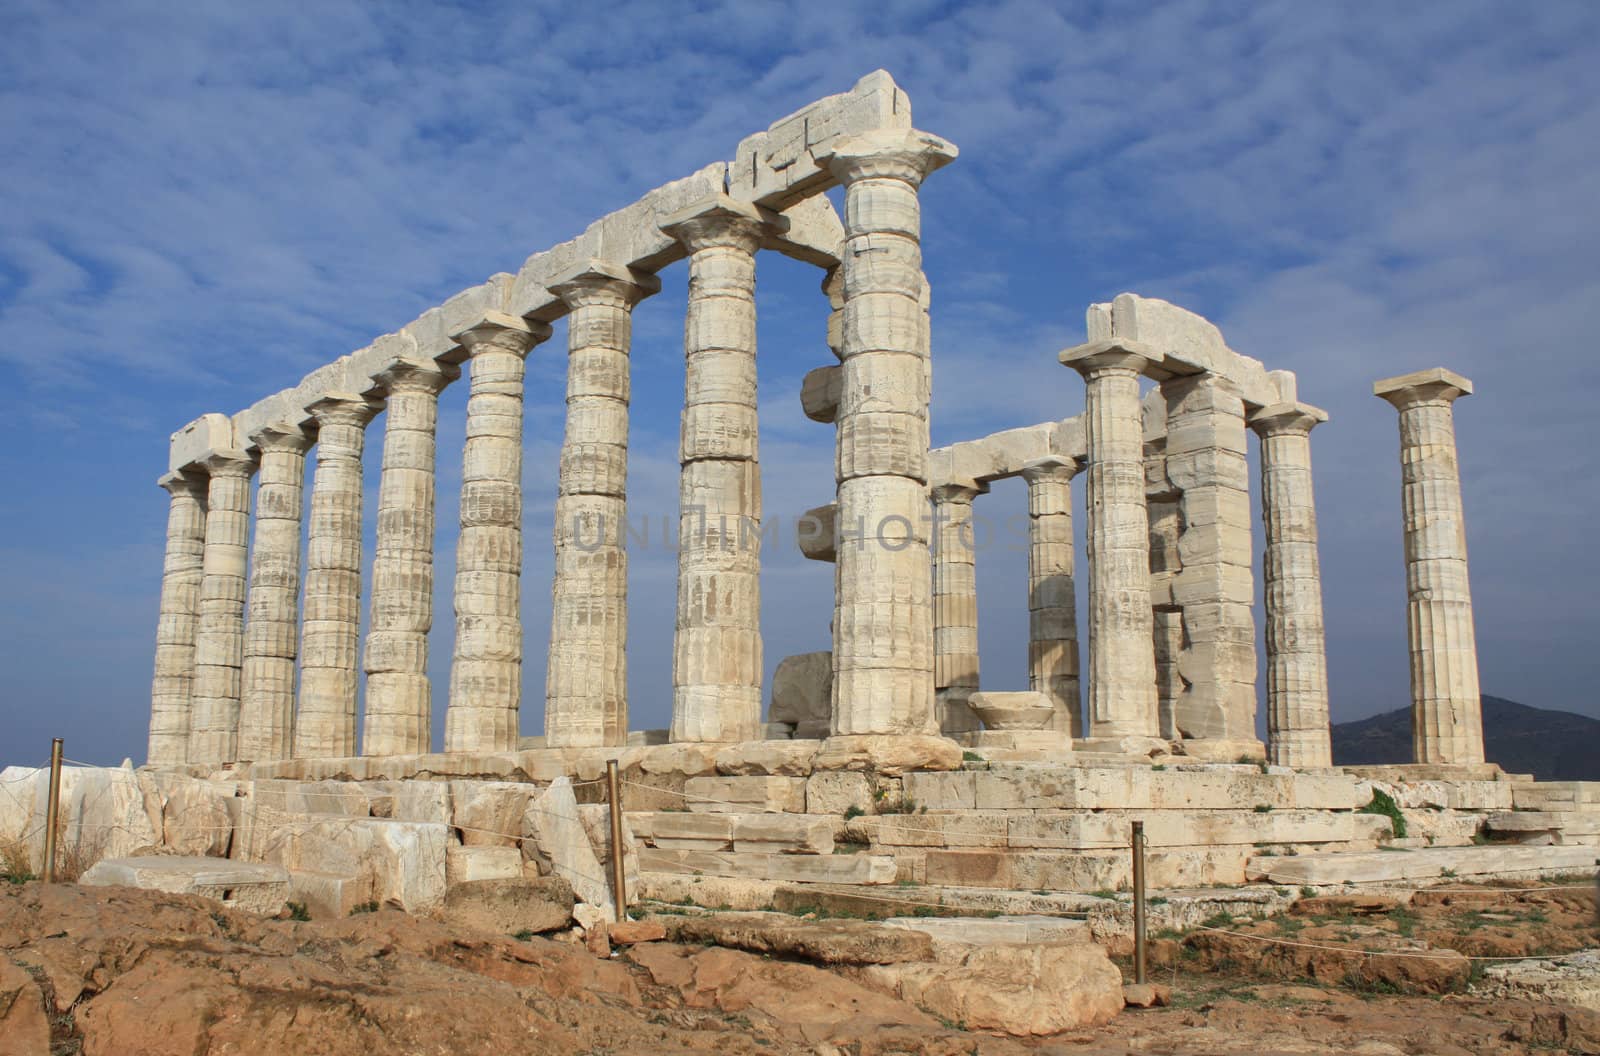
955, 605
802, 693
219, 631
1052, 591
399, 713
486, 666
171, 690
586, 692
882, 653
330, 632
1446, 710
716, 669
1206, 460
1122, 678
1297, 666
272, 630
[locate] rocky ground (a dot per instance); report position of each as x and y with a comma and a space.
118, 971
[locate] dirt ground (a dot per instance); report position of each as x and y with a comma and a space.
104, 971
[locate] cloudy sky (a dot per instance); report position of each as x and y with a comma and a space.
202, 202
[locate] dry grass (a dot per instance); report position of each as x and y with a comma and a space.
74, 858
15, 862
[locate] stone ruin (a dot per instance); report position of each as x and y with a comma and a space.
882, 766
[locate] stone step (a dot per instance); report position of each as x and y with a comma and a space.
948, 932
743, 795
1427, 864
1569, 822
1060, 787
241, 885
800, 868
1084, 830
1557, 795
1080, 871
759, 833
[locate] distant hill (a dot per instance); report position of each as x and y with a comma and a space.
1551, 745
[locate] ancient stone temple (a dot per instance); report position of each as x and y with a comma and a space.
1140, 704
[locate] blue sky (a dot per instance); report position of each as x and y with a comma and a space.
202, 202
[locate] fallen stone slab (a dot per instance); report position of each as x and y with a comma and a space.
802, 868
510, 907
956, 937
822, 941
1571, 980
1426, 864
239, 885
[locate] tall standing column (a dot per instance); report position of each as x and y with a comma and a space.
883, 633
272, 631
586, 682
219, 632
1297, 665
716, 664
486, 669
330, 633
1122, 676
955, 605
1052, 591
172, 688
399, 708
1446, 709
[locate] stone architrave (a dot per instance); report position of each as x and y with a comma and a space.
955, 605
272, 626
330, 629
398, 718
883, 629
1446, 709
586, 701
1207, 461
484, 710
1122, 677
1297, 666
172, 688
1052, 591
219, 631
716, 668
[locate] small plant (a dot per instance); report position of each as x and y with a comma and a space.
364, 907
851, 847
1156, 900
298, 911
1104, 892
1383, 803
1218, 920
1263, 808
522, 936
1159, 766
971, 757
1308, 892
852, 812
1448, 874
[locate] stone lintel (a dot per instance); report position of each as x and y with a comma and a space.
1287, 417
589, 273
1431, 384
1117, 352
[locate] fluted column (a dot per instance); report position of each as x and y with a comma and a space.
1446, 709
330, 632
955, 605
219, 632
398, 719
586, 681
272, 626
486, 669
172, 688
883, 633
1052, 591
1297, 665
1122, 676
716, 663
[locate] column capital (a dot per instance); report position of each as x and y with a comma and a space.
593, 282
721, 221
342, 408
1051, 469
1435, 385
282, 436
890, 153
1278, 419
957, 490
1115, 354
408, 374
181, 483
227, 463
497, 331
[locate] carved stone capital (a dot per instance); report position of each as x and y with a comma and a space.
497, 331
721, 222
600, 282
897, 154
1113, 355
1280, 419
957, 491
180, 483
282, 436
415, 375
1051, 469
342, 408
227, 463
1436, 385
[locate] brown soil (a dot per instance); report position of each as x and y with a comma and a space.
129, 972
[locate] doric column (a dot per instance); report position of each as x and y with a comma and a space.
330, 632
1052, 590
486, 669
398, 719
1297, 665
1122, 676
716, 663
586, 681
883, 633
1446, 709
272, 627
955, 604
219, 632
172, 688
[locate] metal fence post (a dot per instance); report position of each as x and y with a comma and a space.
619, 876
51, 811
1138, 902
